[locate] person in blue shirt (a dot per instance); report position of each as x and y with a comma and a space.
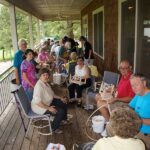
18, 59
141, 105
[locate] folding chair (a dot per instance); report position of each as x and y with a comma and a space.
24, 105
111, 78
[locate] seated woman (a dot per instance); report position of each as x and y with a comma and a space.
43, 56
141, 105
73, 59
125, 125
46, 102
82, 72
28, 72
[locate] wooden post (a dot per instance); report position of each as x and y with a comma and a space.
13, 27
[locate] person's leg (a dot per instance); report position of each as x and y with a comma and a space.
80, 88
60, 104
104, 110
71, 89
58, 117
29, 93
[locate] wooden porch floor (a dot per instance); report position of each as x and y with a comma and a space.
12, 135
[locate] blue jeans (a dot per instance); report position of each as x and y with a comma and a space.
29, 93
61, 113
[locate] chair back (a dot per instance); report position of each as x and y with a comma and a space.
23, 100
71, 70
111, 78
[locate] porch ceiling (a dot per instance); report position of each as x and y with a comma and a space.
53, 9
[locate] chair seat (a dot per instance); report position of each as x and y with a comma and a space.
32, 114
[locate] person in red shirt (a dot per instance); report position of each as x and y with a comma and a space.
124, 92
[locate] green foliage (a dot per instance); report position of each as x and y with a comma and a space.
5, 33
59, 29
56, 29
22, 26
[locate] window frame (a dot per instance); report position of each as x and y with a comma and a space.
101, 9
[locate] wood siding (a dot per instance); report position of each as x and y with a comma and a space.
110, 32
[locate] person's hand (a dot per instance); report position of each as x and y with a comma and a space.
17, 81
52, 109
64, 100
112, 100
98, 97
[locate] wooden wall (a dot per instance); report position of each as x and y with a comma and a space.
110, 33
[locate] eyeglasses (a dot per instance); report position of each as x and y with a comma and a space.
123, 68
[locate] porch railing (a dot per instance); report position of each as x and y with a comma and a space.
5, 93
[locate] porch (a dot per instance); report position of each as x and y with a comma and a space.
12, 135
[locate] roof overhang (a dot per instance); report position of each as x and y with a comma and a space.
52, 10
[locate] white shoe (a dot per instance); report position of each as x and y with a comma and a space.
104, 133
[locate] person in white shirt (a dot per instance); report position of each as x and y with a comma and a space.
46, 102
124, 124
83, 72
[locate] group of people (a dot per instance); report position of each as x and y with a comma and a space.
132, 91
33, 71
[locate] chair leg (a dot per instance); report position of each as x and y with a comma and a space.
50, 128
28, 127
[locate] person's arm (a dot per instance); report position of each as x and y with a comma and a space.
17, 76
61, 98
90, 53
49, 108
146, 121
16, 66
123, 99
87, 73
24, 76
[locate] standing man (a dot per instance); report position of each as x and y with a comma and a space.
18, 59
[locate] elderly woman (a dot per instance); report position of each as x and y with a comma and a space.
125, 125
46, 102
141, 105
82, 72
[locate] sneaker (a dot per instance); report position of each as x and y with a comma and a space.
58, 131
104, 133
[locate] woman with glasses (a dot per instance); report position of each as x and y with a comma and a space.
81, 72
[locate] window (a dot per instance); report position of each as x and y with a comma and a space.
85, 26
98, 31
127, 11
143, 36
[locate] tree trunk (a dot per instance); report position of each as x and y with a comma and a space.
3, 54
70, 29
